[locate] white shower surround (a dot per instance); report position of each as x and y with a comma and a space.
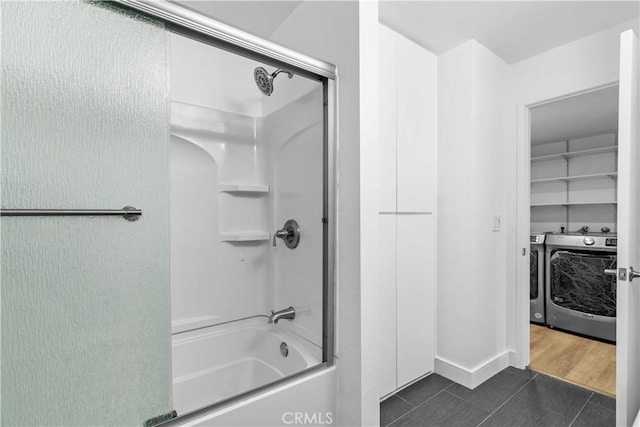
241, 165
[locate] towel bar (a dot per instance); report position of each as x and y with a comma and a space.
128, 212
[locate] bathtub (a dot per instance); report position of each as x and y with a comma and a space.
216, 363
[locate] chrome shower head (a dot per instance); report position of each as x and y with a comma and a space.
264, 80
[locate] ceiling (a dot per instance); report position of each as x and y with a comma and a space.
260, 18
583, 115
514, 30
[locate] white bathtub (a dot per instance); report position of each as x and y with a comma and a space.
213, 364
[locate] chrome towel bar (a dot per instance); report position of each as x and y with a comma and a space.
128, 212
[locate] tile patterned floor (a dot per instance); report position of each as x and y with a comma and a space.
512, 398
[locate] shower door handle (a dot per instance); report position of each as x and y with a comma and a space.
633, 274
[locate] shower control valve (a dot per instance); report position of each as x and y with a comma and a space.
290, 234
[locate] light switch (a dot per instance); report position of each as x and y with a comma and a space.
497, 223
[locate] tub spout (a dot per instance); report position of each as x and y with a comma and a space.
287, 313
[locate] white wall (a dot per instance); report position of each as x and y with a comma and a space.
583, 64
596, 190
471, 301
198, 78
217, 138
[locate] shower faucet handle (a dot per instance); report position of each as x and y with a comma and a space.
280, 234
290, 234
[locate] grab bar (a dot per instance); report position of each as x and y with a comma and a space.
128, 212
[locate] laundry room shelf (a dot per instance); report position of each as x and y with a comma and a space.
570, 154
537, 205
244, 188
612, 175
244, 236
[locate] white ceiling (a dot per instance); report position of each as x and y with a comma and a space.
578, 116
514, 30
260, 18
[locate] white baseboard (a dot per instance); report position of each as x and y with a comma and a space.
472, 378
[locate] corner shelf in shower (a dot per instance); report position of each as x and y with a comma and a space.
244, 188
244, 236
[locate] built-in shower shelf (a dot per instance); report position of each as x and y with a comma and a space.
243, 188
244, 236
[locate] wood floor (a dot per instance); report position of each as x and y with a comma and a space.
587, 363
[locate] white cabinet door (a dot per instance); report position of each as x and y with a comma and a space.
387, 120
387, 308
415, 296
416, 127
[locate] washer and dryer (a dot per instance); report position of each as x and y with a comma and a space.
579, 296
536, 282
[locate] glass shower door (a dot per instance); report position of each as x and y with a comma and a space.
85, 300
247, 156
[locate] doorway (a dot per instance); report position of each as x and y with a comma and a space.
573, 209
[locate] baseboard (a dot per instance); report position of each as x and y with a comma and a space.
472, 378
517, 361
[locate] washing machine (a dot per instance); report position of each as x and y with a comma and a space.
536, 281
579, 296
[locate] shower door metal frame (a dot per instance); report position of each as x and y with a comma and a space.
242, 41
196, 26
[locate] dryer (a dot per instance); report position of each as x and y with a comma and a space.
579, 296
537, 278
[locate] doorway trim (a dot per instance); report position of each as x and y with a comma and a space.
523, 216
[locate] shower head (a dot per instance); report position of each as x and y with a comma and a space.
264, 80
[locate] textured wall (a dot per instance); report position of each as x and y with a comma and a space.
85, 300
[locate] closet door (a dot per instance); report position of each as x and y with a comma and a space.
387, 120
416, 127
387, 309
387, 205
415, 296
85, 300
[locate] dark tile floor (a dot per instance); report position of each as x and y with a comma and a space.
512, 398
